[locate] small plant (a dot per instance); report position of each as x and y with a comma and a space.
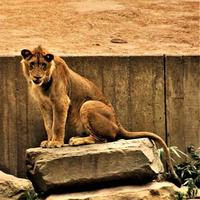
180, 196
188, 171
192, 188
29, 195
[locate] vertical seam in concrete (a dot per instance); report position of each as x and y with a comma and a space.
8, 123
184, 68
165, 98
129, 95
5, 132
102, 78
114, 81
16, 120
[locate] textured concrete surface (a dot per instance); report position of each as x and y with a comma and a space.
135, 86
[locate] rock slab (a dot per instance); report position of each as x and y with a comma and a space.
151, 191
12, 187
73, 167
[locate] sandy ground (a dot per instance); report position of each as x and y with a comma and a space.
85, 27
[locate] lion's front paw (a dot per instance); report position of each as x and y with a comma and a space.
44, 144
55, 144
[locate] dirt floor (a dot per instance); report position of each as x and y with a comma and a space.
79, 27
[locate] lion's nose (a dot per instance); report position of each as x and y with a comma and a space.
37, 77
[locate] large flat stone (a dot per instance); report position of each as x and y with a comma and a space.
12, 187
74, 167
151, 191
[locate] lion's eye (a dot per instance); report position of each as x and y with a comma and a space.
44, 65
32, 64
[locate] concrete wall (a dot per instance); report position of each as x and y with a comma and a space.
154, 93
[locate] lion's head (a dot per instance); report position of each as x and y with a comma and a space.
37, 65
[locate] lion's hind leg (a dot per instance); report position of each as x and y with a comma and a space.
98, 120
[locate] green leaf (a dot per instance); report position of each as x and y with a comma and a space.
186, 183
181, 152
173, 150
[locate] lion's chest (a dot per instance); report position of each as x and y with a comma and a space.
39, 95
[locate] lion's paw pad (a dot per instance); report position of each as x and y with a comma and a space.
44, 144
55, 144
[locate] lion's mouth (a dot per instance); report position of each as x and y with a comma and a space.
37, 81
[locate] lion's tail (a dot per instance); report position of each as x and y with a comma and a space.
132, 135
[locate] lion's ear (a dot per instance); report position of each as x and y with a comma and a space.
26, 53
49, 57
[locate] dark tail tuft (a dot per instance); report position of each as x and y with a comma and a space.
174, 179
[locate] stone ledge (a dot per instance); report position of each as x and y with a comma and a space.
12, 187
69, 167
151, 191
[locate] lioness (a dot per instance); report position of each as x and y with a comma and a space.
65, 96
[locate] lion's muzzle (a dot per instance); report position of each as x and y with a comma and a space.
37, 79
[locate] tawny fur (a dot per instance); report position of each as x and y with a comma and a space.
71, 103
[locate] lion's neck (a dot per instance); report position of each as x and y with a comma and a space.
47, 84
